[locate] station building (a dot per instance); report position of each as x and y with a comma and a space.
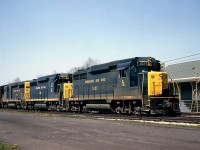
186, 79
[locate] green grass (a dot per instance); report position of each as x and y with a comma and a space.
5, 146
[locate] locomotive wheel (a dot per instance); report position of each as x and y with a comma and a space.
5, 106
129, 112
118, 110
30, 107
138, 111
57, 108
54, 107
84, 109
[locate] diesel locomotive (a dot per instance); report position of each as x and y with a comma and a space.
46, 92
132, 86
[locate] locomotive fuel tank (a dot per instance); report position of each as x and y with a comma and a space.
12, 105
99, 107
41, 106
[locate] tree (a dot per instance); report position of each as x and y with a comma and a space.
72, 70
17, 80
88, 63
54, 72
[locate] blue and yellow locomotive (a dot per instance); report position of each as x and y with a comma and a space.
132, 86
47, 92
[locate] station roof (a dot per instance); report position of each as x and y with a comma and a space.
184, 72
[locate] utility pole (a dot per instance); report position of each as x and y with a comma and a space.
197, 96
197, 79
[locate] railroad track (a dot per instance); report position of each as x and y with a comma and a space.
174, 119
183, 118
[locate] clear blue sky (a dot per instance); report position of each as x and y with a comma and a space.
38, 37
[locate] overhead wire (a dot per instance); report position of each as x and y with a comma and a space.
185, 60
182, 57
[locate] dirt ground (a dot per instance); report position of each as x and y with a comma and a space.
34, 131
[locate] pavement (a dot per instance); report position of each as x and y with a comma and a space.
40, 132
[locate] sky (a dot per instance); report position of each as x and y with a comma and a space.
41, 37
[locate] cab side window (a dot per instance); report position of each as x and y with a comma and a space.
122, 73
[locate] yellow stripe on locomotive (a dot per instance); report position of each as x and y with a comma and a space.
68, 90
26, 90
